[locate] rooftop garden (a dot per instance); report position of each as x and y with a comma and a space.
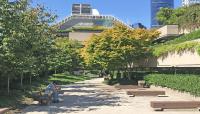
95, 28
179, 44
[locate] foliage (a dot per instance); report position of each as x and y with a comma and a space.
28, 45
179, 48
117, 47
179, 44
66, 55
95, 28
186, 17
26, 39
181, 82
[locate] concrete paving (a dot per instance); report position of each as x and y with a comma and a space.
94, 97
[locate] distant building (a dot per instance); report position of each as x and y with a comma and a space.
81, 9
84, 22
138, 25
155, 7
189, 2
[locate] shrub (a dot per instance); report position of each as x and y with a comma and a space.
181, 82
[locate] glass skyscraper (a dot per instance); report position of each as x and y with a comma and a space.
155, 7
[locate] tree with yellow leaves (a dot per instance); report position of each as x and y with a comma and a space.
118, 47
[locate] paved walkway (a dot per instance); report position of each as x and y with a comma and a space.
94, 97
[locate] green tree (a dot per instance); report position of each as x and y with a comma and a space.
66, 55
119, 47
26, 39
186, 17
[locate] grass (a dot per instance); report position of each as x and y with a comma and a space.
21, 97
62, 79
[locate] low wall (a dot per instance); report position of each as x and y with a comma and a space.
183, 59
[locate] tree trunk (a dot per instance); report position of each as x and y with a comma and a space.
22, 79
30, 80
128, 71
55, 71
8, 85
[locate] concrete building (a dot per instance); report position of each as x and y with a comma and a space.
84, 22
189, 2
189, 58
168, 32
155, 7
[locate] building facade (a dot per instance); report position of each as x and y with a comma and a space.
190, 2
85, 21
156, 5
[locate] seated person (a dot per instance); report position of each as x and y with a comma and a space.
52, 88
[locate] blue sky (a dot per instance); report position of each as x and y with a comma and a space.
129, 11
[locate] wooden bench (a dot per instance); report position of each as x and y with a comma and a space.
161, 105
4, 110
145, 92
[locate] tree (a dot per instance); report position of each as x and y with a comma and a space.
190, 20
119, 47
26, 39
66, 55
164, 16
186, 17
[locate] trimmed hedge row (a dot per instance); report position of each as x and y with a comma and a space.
181, 82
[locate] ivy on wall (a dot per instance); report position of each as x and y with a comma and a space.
180, 44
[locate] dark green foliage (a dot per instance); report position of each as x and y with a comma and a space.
179, 44
182, 82
186, 17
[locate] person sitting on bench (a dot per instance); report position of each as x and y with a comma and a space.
52, 88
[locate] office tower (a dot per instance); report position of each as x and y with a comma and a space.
156, 5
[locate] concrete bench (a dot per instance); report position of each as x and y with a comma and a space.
127, 87
45, 99
145, 92
4, 110
141, 83
161, 105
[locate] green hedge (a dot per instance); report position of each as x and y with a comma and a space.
179, 44
188, 37
181, 82
164, 49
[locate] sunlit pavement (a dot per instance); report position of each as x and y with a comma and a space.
94, 97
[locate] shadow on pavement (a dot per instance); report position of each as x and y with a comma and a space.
82, 100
